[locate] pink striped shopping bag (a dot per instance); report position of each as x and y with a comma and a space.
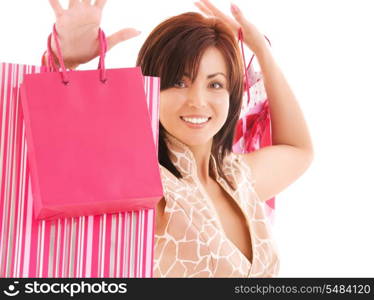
109, 245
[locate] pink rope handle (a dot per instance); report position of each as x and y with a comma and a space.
50, 61
246, 76
64, 75
103, 51
244, 123
240, 37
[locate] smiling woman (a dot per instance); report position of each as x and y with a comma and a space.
210, 222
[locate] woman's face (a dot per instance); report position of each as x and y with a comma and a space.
194, 113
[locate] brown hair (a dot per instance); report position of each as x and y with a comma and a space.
176, 46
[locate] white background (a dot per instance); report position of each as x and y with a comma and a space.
324, 220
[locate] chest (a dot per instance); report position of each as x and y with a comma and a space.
231, 218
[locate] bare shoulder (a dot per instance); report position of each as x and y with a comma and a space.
274, 168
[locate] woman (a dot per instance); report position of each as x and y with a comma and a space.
211, 221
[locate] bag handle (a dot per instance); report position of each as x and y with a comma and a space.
64, 75
247, 83
246, 76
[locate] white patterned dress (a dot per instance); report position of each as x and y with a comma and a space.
193, 242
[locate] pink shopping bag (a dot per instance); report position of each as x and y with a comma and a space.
108, 245
253, 130
89, 140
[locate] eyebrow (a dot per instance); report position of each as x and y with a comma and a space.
209, 76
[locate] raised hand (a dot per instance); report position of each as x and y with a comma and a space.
77, 29
252, 37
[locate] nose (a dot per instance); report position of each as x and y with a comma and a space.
196, 97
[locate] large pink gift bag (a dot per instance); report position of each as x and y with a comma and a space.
253, 130
89, 139
108, 245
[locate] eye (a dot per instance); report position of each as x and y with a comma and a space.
177, 84
220, 85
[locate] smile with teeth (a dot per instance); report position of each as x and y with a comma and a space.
195, 120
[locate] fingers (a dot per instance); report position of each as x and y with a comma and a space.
100, 3
86, 2
121, 36
72, 3
239, 16
55, 4
204, 9
231, 22
237, 13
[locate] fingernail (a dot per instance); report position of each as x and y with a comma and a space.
234, 8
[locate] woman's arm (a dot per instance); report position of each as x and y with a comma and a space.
274, 167
287, 120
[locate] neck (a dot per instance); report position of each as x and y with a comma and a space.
202, 157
